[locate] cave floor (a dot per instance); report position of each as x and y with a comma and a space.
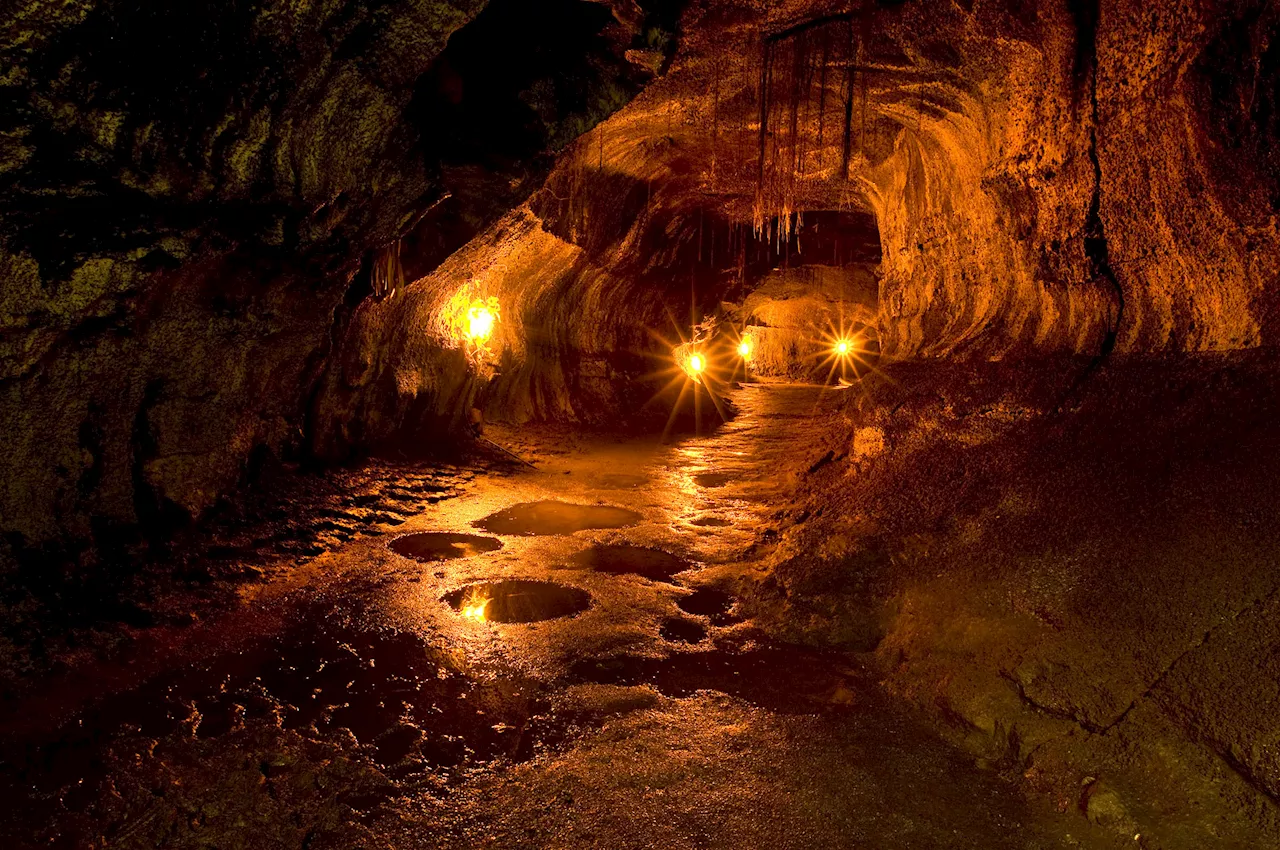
349, 700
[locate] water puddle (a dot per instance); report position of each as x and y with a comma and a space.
518, 601
715, 605
680, 630
550, 517
443, 545
783, 679
711, 522
711, 480
634, 560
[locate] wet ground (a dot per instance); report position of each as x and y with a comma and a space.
549, 658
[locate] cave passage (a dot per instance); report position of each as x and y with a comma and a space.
633, 424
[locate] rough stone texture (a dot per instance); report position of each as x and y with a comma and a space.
1070, 168
1076, 579
182, 190
1186, 127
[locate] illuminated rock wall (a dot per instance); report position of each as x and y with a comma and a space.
1037, 190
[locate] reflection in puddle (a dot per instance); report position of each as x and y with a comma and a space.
635, 560
785, 679
518, 601
715, 605
443, 545
550, 517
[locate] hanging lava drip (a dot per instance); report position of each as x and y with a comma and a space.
387, 274
797, 67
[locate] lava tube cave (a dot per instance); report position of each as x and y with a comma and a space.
640, 423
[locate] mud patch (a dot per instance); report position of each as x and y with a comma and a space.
519, 601
715, 605
550, 517
432, 546
680, 630
783, 679
633, 560
711, 522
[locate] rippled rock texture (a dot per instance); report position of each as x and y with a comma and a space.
1103, 172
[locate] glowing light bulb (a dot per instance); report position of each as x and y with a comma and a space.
480, 322
842, 347
696, 363
744, 348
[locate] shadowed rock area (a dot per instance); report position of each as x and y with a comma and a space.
203, 194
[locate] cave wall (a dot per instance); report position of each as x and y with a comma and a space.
984, 193
1056, 178
1101, 178
1190, 185
188, 197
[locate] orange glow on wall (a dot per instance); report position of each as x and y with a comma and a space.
480, 322
469, 320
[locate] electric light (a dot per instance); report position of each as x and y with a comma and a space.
842, 347
468, 320
480, 322
692, 363
744, 348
